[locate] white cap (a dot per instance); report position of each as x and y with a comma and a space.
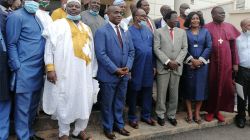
118, 2
68, 1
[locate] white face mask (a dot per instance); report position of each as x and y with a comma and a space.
187, 11
64, 6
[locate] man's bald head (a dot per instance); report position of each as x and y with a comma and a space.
245, 24
114, 13
164, 10
218, 14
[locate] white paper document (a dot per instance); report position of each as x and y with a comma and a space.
239, 90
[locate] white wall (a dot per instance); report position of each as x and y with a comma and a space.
155, 6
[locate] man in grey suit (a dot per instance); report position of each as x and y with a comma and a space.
170, 48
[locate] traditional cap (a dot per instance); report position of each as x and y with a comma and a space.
68, 1
118, 2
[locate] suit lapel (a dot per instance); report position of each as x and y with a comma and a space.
111, 30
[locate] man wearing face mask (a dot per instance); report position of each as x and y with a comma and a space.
184, 11
91, 17
60, 12
243, 75
70, 90
142, 73
25, 50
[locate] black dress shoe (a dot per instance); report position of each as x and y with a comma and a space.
172, 121
160, 121
110, 135
133, 124
240, 122
34, 137
149, 121
122, 131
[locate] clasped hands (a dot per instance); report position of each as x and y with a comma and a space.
172, 65
120, 72
196, 63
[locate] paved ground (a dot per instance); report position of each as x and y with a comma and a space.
227, 132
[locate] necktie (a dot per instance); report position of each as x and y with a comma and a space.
149, 25
171, 34
119, 36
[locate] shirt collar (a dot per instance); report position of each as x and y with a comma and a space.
113, 25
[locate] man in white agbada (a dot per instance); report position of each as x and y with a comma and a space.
70, 90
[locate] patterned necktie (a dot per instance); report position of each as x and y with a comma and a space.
119, 36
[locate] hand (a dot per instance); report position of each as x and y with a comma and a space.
196, 63
51, 77
125, 69
173, 65
120, 72
235, 68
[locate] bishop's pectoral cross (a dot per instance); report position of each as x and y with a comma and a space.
220, 41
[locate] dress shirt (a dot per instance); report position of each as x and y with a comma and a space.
243, 45
113, 26
163, 23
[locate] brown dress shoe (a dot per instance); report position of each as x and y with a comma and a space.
82, 136
122, 131
149, 121
133, 124
64, 137
110, 135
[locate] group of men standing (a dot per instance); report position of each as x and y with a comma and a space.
83, 54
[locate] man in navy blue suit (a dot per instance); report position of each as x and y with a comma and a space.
115, 54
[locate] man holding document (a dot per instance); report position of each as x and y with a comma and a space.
243, 76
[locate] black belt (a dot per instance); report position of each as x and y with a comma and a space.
244, 68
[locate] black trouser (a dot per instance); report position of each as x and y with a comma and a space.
243, 78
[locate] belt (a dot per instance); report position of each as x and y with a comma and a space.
244, 68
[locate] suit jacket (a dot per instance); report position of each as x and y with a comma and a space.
110, 56
152, 23
165, 49
157, 23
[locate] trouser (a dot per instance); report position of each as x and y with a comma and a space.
243, 78
80, 125
5, 108
167, 82
25, 112
146, 100
112, 104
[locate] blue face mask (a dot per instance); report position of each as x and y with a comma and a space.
143, 23
31, 6
106, 17
74, 18
94, 13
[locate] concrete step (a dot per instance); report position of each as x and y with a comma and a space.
48, 128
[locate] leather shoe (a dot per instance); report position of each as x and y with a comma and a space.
172, 121
133, 124
64, 137
240, 122
122, 131
34, 137
82, 136
149, 121
110, 135
160, 121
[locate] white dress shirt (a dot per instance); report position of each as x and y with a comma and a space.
163, 23
113, 26
243, 45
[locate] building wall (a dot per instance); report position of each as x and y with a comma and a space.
155, 6
235, 17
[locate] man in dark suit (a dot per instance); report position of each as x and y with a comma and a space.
115, 54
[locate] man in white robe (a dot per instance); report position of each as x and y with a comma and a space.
70, 90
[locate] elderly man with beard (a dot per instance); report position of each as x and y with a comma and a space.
69, 91
91, 17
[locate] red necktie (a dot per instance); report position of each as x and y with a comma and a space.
149, 25
119, 36
171, 34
